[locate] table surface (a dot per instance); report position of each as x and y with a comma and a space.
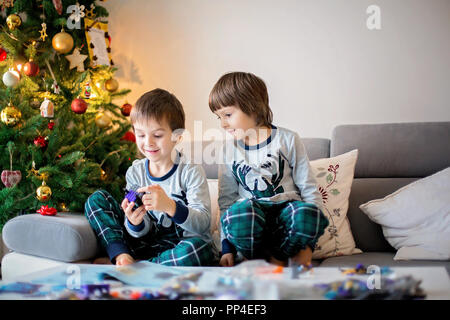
434, 280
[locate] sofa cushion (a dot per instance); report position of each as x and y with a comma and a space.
416, 216
380, 259
395, 149
334, 177
367, 234
65, 237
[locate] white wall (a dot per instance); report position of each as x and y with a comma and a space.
322, 65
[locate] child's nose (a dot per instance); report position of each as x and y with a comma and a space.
150, 141
223, 123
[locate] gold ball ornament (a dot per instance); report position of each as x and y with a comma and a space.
111, 85
102, 120
43, 193
13, 21
62, 42
11, 115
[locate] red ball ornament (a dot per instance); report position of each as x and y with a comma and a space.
41, 141
3, 54
31, 68
129, 136
79, 106
126, 109
50, 125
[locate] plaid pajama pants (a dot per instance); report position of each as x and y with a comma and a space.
161, 245
261, 228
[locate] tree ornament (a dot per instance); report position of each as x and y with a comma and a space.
51, 124
99, 42
126, 109
10, 115
11, 178
102, 120
43, 32
76, 60
47, 109
3, 54
90, 13
62, 42
11, 78
41, 141
58, 6
111, 85
129, 136
47, 211
13, 21
31, 68
87, 90
43, 193
79, 106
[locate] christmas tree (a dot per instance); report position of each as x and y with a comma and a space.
61, 135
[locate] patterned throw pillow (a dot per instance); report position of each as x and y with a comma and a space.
335, 177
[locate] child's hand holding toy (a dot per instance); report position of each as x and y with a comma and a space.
155, 198
134, 215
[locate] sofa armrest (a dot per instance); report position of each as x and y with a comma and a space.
64, 237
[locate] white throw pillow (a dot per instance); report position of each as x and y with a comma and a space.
334, 177
416, 218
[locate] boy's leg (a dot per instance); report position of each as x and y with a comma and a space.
106, 218
188, 252
244, 226
298, 225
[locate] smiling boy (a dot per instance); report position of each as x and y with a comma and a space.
172, 225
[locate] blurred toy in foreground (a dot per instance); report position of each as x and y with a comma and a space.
403, 288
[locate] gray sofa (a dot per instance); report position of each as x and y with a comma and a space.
390, 156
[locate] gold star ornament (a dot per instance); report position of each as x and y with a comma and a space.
76, 60
43, 31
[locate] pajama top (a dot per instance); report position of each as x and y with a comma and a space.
277, 169
185, 183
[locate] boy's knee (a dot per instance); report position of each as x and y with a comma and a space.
96, 199
242, 206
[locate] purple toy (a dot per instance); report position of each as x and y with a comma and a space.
135, 197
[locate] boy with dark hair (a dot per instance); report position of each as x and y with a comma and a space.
171, 224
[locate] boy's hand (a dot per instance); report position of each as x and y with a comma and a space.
227, 260
157, 199
136, 216
124, 259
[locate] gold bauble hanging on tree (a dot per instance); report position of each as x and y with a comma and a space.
11, 115
111, 85
13, 21
62, 42
102, 120
43, 193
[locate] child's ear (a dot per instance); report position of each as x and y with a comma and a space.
177, 136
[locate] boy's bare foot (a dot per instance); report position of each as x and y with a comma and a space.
277, 262
303, 257
124, 259
102, 260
